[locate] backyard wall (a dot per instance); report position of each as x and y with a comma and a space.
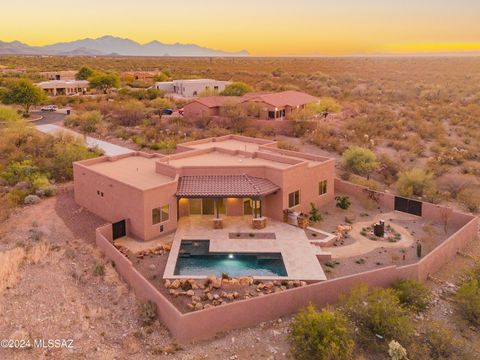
245, 313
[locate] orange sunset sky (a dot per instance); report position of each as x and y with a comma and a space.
263, 27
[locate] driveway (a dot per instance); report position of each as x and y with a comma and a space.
49, 117
108, 148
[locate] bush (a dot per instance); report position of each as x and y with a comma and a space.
371, 184
236, 89
360, 160
415, 182
377, 312
31, 200
99, 270
147, 313
343, 202
470, 198
440, 341
315, 215
321, 335
412, 294
468, 300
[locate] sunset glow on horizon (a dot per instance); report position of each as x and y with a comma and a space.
267, 27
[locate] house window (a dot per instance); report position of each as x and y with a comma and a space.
215, 88
322, 187
294, 199
271, 114
160, 214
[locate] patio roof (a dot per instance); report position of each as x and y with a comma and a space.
235, 186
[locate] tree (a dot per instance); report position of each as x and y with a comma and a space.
160, 77
23, 92
415, 182
104, 81
236, 89
325, 106
360, 160
85, 73
323, 335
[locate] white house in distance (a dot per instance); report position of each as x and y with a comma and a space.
64, 87
59, 75
191, 87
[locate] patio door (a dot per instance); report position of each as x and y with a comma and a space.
195, 206
208, 206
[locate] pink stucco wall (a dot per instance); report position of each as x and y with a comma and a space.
245, 313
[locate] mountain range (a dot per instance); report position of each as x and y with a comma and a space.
111, 45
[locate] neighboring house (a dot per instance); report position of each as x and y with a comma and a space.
209, 105
6, 71
272, 106
145, 194
64, 87
192, 87
279, 105
59, 75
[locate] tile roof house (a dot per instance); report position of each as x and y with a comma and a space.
272, 105
226, 176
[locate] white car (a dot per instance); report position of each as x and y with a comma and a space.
49, 108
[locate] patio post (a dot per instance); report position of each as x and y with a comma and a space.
216, 207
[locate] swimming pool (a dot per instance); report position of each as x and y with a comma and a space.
195, 259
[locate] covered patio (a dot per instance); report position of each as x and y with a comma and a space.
219, 196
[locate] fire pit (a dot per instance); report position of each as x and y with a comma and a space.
382, 232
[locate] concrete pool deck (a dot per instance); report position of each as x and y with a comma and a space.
299, 258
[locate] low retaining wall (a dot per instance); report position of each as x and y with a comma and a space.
246, 313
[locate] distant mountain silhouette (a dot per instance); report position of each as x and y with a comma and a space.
107, 45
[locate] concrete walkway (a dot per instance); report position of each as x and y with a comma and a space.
363, 245
108, 148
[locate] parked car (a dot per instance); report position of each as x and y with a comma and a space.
181, 111
167, 112
49, 108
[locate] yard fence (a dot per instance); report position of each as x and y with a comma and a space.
246, 313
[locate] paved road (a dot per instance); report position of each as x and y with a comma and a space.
49, 125
49, 117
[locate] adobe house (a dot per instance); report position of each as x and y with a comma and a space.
209, 105
59, 75
64, 87
145, 195
192, 87
272, 106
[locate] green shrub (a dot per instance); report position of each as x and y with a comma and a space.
412, 294
415, 182
315, 215
99, 270
468, 300
440, 341
343, 202
470, 197
377, 312
370, 184
321, 335
360, 160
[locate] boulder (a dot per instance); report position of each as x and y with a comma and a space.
167, 283
210, 296
175, 284
236, 295
269, 285
198, 306
190, 293
196, 299
245, 280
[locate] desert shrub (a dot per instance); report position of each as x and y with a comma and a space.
467, 300
388, 168
441, 341
360, 160
342, 202
326, 105
415, 182
396, 351
377, 312
315, 215
454, 183
131, 113
470, 198
147, 313
31, 200
8, 114
99, 270
321, 335
412, 294
369, 183
236, 89
285, 145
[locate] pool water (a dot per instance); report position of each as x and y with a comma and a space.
195, 259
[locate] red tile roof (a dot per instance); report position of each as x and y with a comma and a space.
282, 99
224, 186
217, 101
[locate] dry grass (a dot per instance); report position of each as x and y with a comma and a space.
37, 253
10, 263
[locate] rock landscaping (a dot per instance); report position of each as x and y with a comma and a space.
389, 233
215, 291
